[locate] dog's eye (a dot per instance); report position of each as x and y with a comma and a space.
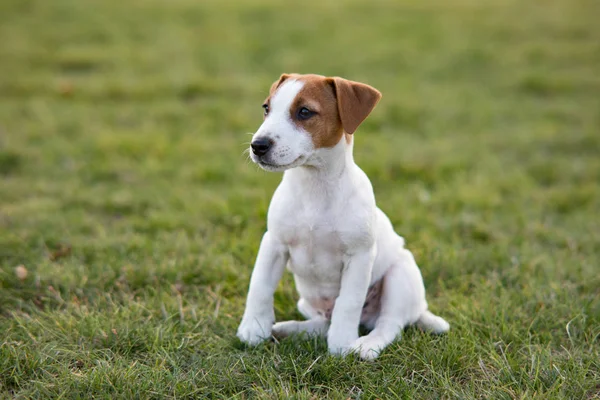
304, 113
266, 107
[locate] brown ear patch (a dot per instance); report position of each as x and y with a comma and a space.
317, 95
355, 102
340, 106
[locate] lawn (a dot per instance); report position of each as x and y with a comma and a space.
130, 217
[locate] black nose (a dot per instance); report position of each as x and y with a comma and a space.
261, 146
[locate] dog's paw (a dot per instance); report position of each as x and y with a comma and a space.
340, 343
337, 349
368, 347
253, 331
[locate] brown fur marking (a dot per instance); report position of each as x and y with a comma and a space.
317, 95
355, 102
340, 105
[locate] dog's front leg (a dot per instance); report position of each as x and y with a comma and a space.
343, 331
259, 316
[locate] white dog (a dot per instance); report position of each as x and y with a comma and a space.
349, 265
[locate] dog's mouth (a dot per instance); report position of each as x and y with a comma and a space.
268, 166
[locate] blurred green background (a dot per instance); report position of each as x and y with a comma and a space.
130, 219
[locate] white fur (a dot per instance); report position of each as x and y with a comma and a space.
323, 225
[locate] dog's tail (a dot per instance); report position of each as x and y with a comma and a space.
430, 322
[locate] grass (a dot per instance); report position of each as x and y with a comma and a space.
126, 198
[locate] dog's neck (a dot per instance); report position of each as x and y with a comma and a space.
326, 165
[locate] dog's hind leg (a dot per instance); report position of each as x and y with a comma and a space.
315, 325
402, 303
312, 327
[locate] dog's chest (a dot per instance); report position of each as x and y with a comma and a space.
313, 236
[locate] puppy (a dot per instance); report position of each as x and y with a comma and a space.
349, 265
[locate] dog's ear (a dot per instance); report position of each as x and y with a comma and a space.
278, 82
355, 102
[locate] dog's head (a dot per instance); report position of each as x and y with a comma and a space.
305, 113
